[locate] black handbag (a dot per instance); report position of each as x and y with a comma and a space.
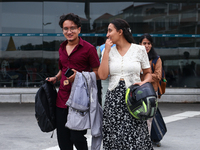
158, 129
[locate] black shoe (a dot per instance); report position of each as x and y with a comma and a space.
158, 144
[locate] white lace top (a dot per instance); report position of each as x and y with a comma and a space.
128, 66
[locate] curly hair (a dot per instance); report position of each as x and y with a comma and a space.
71, 17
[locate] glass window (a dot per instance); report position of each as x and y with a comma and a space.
173, 22
18, 46
30, 36
188, 15
174, 6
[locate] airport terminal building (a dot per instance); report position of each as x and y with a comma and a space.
30, 37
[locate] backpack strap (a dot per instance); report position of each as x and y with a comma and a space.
154, 63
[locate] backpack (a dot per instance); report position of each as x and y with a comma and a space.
163, 82
45, 107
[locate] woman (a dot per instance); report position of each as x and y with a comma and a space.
156, 71
123, 63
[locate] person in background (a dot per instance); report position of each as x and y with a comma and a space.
123, 63
100, 41
147, 41
79, 55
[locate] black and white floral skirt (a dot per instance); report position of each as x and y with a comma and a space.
120, 130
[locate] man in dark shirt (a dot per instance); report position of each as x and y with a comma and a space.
81, 56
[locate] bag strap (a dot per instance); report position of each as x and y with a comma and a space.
154, 61
160, 89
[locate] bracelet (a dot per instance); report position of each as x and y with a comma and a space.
56, 78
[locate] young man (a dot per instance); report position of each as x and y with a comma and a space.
79, 55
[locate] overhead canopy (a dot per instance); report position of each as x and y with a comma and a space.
83, 1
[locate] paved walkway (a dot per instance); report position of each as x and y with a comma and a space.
19, 129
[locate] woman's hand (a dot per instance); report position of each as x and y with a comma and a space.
139, 83
146, 77
108, 45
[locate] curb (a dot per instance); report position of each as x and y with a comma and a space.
172, 95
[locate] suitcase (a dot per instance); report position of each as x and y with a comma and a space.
158, 129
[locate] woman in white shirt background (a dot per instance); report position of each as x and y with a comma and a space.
123, 63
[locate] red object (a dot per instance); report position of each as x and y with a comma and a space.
83, 58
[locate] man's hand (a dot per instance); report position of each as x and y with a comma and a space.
72, 77
51, 79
